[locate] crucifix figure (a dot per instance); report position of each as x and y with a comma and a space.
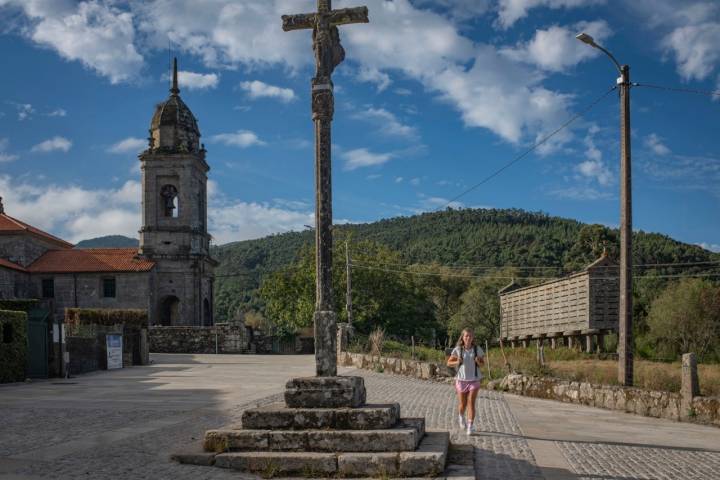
328, 55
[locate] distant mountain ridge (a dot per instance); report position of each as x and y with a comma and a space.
452, 237
109, 241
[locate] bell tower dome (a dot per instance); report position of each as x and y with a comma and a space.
173, 128
174, 209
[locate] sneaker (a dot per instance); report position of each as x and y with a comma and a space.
461, 422
470, 429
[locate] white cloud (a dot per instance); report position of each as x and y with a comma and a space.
459, 9
415, 181
434, 203
4, 156
387, 123
56, 143
59, 112
510, 11
581, 193
98, 34
235, 221
257, 89
241, 138
373, 75
557, 49
195, 81
24, 111
403, 92
596, 170
72, 212
696, 49
399, 179
654, 143
713, 247
362, 157
690, 31
129, 145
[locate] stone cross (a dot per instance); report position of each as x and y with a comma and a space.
328, 55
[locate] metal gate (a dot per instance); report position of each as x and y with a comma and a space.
37, 366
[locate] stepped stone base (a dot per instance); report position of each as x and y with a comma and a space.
325, 429
277, 416
405, 436
325, 392
428, 460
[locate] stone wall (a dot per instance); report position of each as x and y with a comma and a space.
189, 339
400, 366
24, 248
627, 399
85, 290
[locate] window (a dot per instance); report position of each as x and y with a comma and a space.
109, 287
48, 288
169, 196
7, 333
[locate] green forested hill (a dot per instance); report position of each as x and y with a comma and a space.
452, 237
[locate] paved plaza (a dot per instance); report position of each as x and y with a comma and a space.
123, 424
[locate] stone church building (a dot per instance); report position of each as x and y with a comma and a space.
170, 274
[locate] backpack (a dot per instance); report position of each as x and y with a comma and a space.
462, 356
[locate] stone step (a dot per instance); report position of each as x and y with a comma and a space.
325, 392
405, 436
279, 417
428, 460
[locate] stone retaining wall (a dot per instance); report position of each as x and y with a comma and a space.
188, 339
627, 399
410, 368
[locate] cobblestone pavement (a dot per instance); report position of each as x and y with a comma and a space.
593, 461
103, 434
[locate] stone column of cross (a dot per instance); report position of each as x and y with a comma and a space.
328, 55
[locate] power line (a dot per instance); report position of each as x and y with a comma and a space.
531, 149
509, 277
711, 93
541, 267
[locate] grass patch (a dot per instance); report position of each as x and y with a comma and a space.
572, 365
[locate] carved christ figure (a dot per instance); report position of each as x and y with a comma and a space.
329, 53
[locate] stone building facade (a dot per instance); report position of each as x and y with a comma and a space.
171, 273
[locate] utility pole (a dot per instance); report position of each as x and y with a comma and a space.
348, 295
625, 307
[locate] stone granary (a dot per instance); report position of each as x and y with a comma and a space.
170, 275
584, 304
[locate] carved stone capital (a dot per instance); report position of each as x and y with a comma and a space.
323, 101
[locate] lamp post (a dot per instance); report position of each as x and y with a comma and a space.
625, 334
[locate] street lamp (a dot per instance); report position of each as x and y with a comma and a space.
625, 340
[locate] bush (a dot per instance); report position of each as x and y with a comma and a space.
18, 305
13, 346
106, 317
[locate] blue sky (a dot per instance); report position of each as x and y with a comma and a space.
435, 95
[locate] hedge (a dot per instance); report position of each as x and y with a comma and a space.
106, 317
13, 346
19, 305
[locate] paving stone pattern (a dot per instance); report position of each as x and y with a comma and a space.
501, 453
597, 460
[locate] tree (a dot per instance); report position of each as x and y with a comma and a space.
480, 306
591, 241
383, 296
686, 318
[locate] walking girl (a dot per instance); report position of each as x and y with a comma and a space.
468, 359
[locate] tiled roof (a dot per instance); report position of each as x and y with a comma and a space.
11, 265
91, 260
11, 225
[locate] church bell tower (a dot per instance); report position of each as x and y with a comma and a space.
174, 211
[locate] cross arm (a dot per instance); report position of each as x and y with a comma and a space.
344, 16
298, 22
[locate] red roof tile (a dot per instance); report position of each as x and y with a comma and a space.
11, 265
91, 260
11, 225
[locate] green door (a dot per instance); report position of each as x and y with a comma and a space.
37, 344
